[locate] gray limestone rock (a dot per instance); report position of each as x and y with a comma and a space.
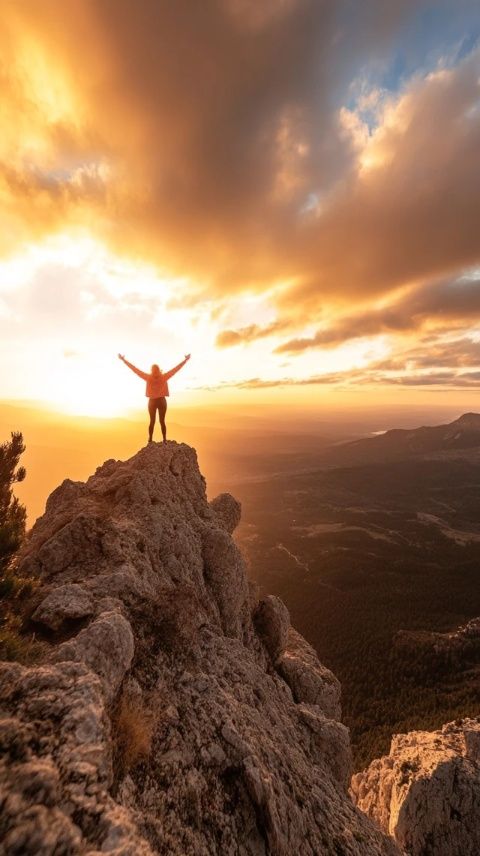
272, 623
228, 511
164, 726
106, 646
330, 743
55, 766
426, 791
309, 680
62, 604
224, 574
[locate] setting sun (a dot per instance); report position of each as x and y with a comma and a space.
87, 304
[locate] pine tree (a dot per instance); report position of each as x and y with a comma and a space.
12, 512
16, 642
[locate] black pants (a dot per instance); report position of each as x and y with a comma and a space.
159, 404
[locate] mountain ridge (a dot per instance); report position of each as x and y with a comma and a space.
399, 443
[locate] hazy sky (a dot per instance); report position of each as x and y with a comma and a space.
289, 189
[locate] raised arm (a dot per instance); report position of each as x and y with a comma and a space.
138, 372
173, 371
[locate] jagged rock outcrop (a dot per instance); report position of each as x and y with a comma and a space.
272, 622
55, 768
308, 679
426, 792
227, 510
173, 714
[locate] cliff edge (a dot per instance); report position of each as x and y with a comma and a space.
173, 712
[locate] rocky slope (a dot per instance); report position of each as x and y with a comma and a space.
426, 792
173, 712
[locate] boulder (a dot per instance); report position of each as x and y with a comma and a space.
227, 510
65, 603
106, 646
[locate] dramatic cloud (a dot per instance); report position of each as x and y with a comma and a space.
317, 154
409, 210
253, 332
434, 353
200, 132
443, 304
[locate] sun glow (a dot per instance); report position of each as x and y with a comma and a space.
88, 304
90, 387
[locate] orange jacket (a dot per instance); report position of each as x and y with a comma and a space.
157, 386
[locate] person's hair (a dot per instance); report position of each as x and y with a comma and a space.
156, 370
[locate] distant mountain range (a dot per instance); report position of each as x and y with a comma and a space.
400, 443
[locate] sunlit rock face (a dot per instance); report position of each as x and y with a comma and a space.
173, 713
426, 792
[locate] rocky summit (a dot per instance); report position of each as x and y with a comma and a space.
173, 711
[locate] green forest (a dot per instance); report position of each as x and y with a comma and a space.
380, 569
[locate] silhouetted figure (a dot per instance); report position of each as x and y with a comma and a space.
156, 392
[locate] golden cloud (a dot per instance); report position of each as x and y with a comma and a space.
205, 137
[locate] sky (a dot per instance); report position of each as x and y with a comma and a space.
287, 189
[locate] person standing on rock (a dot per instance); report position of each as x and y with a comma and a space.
156, 392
